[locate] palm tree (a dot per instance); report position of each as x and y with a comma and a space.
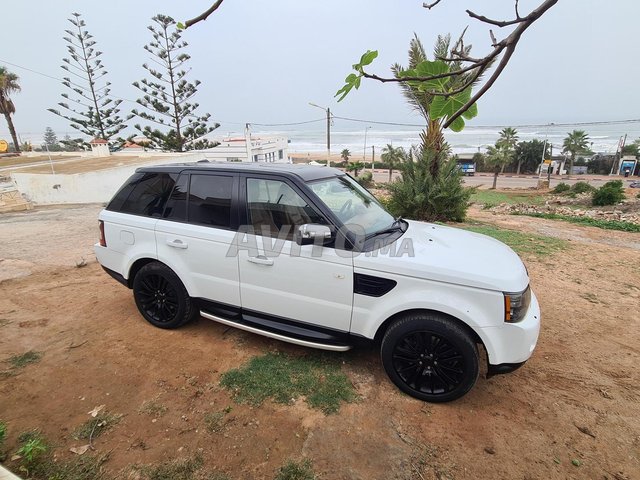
432, 138
508, 140
345, 154
391, 156
498, 157
575, 142
355, 168
8, 85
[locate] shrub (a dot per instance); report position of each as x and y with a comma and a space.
561, 188
420, 196
582, 187
610, 193
366, 179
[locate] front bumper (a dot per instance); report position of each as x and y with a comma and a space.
511, 344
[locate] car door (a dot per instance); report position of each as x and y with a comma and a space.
195, 235
310, 284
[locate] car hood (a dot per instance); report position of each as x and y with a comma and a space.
452, 255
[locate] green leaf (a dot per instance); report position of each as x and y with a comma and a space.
446, 106
457, 125
351, 78
429, 69
344, 91
471, 112
368, 57
181, 26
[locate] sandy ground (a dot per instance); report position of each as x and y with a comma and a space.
527, 425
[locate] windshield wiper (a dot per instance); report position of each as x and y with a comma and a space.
398, 224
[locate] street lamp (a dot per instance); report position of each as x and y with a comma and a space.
364, 152
328, 131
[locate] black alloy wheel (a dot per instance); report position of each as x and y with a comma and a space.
430, 357
161, 297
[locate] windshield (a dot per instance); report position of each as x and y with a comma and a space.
356, 208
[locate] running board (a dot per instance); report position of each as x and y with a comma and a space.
277, 336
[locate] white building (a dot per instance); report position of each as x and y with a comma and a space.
250, 149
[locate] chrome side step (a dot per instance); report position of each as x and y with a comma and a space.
277, 336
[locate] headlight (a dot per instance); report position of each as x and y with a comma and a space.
516, 305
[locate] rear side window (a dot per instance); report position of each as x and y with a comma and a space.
210, 200
148, 194
119, 198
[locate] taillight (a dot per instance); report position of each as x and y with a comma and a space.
103, 240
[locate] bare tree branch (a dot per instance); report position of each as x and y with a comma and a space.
503, 48
431, 5
204, 15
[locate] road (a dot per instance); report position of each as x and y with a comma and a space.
509, 180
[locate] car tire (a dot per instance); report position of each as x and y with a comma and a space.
430, 357
161, 297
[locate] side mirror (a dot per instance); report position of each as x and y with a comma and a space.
312, 233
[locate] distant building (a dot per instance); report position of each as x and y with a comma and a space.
251, 149
100, 147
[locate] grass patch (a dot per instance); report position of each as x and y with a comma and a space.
296, 471
591, 222
20, 361
215, 420
95, 427
491, 198
187, 469
3, 437
153, 408
285, 378
524, 243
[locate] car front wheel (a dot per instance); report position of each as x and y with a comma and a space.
430, 357
161, 297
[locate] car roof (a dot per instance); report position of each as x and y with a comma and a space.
302, 171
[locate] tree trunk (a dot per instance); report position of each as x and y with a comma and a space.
519, 163
12, 130
390, 173
495, 180
573, 156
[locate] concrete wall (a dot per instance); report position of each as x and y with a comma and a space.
89, 187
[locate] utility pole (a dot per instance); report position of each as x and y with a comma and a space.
373, 157
328, 130
364, 151
621, 145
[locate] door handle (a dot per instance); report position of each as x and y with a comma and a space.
261, 260
177, 243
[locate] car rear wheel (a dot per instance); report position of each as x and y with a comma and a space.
430, 357
161, 297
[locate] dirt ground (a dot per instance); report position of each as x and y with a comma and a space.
583, 376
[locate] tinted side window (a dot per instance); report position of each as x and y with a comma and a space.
149, 194
210, 200
274, 208
119, 198
176, 208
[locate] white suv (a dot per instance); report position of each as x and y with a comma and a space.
306, 255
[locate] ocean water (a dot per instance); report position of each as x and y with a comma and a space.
603, 138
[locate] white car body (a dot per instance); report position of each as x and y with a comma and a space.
459, 274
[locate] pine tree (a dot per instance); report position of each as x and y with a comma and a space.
90, 108
51, 140
168, 95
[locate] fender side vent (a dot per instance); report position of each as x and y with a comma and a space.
372, 286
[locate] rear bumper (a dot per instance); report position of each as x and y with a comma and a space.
117, 276
512, 344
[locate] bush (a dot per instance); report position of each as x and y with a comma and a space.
420, 196
366, 179
611, 193
561, 188
581, 187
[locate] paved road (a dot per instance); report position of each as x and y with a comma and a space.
523, 181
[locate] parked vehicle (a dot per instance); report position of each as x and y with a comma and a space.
467, 167
306, 255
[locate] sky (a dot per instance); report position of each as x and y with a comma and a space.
264, 61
